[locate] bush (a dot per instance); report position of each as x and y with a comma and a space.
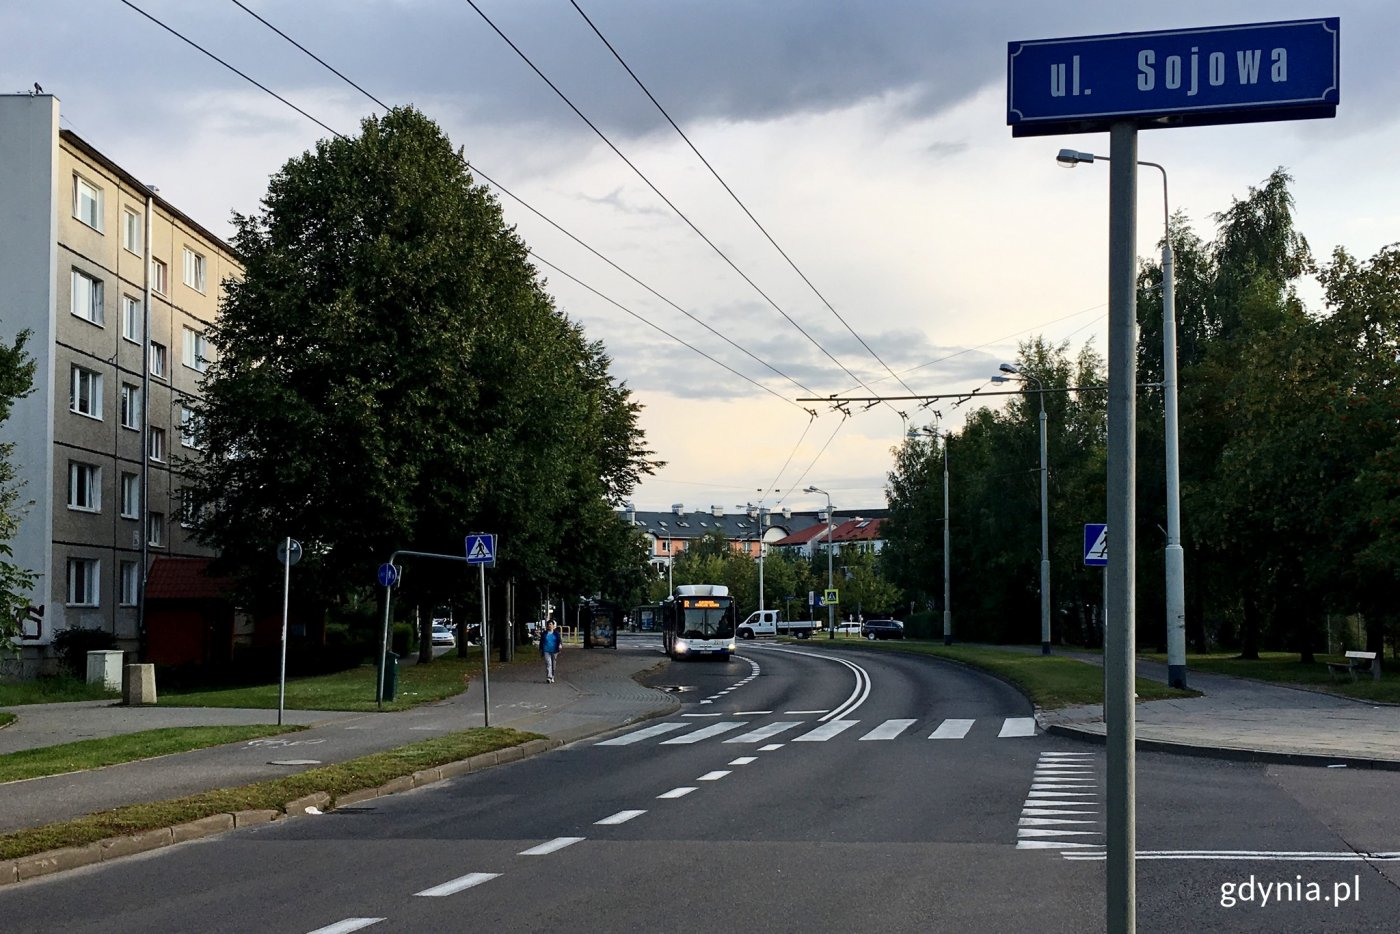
72, 646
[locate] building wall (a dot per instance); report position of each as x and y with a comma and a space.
53, 436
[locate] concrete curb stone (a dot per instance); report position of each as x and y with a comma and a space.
254, 817
71, 857
319, 800
204, 827
131, 844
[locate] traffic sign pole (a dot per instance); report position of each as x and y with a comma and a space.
286, 591
485, 654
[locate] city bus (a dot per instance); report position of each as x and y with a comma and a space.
698, 619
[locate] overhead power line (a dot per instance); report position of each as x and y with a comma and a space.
725, 185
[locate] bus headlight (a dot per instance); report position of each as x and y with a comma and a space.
733, 647
682, 645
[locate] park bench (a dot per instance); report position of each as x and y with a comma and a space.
1356, 661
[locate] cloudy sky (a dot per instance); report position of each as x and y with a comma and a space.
868, 138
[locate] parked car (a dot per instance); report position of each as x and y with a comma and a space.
882, 629
847, 629
442, 635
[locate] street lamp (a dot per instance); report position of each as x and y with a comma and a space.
761, 512
1175, 557
830, 574
947, 577
1044, 507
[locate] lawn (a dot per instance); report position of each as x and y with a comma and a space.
1288, 668
52, 690
128, 747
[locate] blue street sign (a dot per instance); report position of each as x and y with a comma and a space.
388, 575
1181, 77
1095, 545
481, 549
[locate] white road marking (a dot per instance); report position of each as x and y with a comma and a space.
457, 884
1302, 856
707, 702
1036, 786
796, 712
713, 776
1061, 794
1017, 726
824, 732
715, 714
714, 729
628, 739
553, 846
764, 732
1057, 811
750, 713
346, 926
889, 729
771, 746
1034, 832
952, 729
677, 792
744, 760
1049, 822
621, 817
1056, 845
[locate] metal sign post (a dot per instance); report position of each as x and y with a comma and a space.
388, 577
289, 553
481, 551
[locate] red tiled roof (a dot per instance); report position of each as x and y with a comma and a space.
857, 530
185, 579
803, 536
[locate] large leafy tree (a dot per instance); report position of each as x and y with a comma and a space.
16, 381
391, 374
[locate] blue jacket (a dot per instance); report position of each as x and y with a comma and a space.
550, 641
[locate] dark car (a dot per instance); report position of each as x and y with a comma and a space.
882, 629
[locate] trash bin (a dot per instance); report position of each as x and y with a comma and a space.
390, 678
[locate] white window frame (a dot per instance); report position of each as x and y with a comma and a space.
196, 349
196, 269
131, 231
131, 318
128, 583
155, 529
86, 300
189, 428
84, 487
160, 360
84, 582
160, 276
92, 218
156, 450
131, 406
85, 392
130, 495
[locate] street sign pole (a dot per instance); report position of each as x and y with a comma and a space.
286, 591
485, 654
1121, 838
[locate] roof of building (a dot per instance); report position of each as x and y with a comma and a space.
185, 579
858, 529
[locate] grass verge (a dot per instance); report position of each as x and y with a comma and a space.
52, 690
340, 779
1050, 681
1288, 668
114, 750
6, 718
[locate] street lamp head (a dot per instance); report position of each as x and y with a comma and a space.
1001, 379
1009, 368
1069, 158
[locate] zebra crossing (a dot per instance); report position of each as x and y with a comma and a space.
801, 731
1061, 811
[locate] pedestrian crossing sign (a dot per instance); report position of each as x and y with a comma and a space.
831, 598
481, 549
1095, 544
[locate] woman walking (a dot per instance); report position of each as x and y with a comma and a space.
549, 648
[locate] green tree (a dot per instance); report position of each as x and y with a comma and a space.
16, 583
391, 374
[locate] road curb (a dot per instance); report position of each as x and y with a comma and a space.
1228, 753
23, 868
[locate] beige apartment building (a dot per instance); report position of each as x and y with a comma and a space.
116, 287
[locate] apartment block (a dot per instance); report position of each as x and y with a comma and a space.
117, 288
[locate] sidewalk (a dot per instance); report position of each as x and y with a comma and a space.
1245, 719
595, 692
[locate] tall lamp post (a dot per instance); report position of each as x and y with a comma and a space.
1044, 508
1175, 557
761, 512
830, 573
947, 577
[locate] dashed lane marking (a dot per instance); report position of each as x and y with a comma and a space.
346, 926
458, 884
677, 793
714, 776
552, 846
621, 817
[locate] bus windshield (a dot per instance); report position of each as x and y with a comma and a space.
708, 622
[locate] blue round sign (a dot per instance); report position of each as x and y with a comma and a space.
388, 575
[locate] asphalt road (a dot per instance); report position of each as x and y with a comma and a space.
795, 790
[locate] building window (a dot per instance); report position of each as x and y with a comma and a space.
87, 297
129, 583
159, 281
157, 444
189, 427
83, 581
197, 350
131, 406
131, 496
158, 360
194, 270
131, 231
84, 486
87, 202
131, 319
85, 392
155, 529
189, 508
